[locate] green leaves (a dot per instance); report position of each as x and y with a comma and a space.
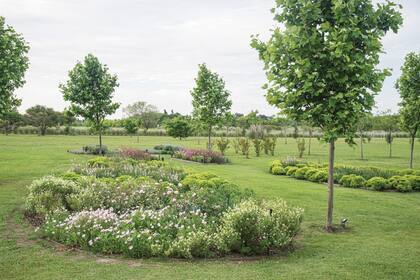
321, 66
210, 98
13, 64
90, 90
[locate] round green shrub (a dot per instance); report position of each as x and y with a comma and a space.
99, 162
48, 194
319, 176
352, 181
278, 170
252, 228
310, 172
291, 170
414, 181
300, 173
377, 184
400, 183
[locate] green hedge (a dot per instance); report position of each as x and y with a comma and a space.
371, 178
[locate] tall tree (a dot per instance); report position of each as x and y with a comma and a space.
321, 66
90, 90
146, 114
13, 64
409, 87
41, 117
210, 100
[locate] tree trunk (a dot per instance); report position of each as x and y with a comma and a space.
209, 143
329, 224
361, 146
413, 138
390, 150
100, 140
310, 139
138, 138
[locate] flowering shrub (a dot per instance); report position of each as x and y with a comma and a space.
134, 154
201, 155
116, 209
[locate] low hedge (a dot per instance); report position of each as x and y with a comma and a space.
371, 178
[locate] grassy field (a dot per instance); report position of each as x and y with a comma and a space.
383, 240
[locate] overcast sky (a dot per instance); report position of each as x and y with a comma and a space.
155, 46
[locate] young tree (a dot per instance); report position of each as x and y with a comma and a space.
178, 128
408, 86
389, 123
13, 64
131, 126
321, 66
147, 114
210, 100
365, 124
11, 121
90, 90
41, 117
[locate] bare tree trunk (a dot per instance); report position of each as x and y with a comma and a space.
310, 139
361, 146
413, 138
390, 150
209, 143
329, 224
100, 140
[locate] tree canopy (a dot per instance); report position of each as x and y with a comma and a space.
41, 117
13, 64
408, 86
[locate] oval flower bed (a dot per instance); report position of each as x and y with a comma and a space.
146, 209
201, 155
371, 178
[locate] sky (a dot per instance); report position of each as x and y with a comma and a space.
155, 47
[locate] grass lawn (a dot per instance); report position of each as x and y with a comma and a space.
383, 240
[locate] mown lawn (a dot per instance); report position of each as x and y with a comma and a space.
382, 242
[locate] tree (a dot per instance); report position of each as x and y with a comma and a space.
147, 114
210, 100
11, 120
321, 65
90, 90
131, 126
13, 64
389, 123
408, 86
178, 128
364, 125
41, 117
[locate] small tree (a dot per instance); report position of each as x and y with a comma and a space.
131, 126
210, 100
11, 121
408, 86
90, 90
244, 145
146, 114
364, 125
389, 123
13, 64
222, 144
41, 117
178, 128
321, 65
301, 146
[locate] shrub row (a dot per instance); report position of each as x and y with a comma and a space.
371, 178
200, 155
145, 209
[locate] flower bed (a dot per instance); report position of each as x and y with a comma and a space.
201, 155
145, 209
372, 178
